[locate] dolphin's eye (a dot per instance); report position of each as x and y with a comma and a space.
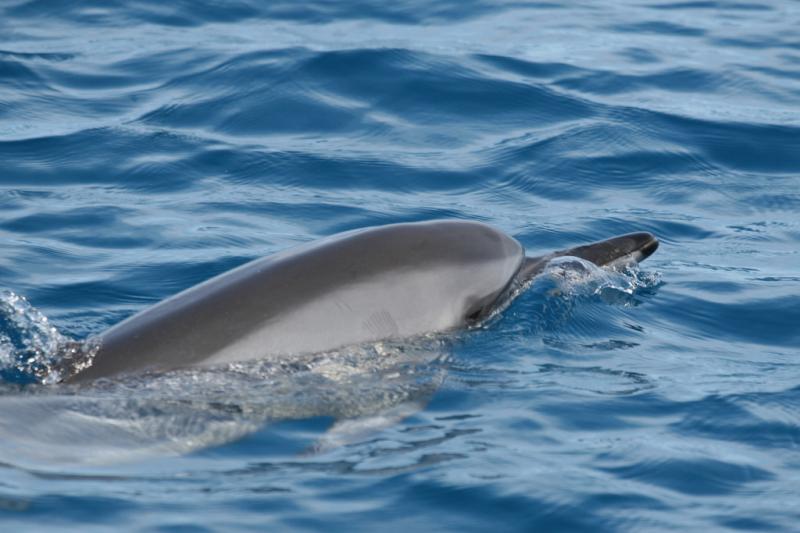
473, 316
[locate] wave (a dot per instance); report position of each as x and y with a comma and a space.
147, 146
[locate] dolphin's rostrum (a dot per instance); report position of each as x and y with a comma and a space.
385, 282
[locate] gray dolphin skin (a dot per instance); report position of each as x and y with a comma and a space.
366, 285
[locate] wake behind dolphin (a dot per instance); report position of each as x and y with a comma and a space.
381, 283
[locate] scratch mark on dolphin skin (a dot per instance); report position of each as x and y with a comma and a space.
382, 324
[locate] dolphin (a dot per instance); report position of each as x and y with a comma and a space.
366, 285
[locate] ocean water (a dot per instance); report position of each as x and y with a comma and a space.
146, 146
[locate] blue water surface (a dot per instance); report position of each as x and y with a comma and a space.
146, 146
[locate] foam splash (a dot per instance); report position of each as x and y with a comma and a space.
32, 349
572, 294
573, 276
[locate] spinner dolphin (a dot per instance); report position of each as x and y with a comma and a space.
386, 282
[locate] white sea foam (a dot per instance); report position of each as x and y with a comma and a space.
33, 347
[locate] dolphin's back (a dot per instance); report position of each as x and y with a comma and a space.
366, 285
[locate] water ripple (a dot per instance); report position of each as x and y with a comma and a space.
147, 146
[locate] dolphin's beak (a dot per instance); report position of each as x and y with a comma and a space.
631, 247
616, 251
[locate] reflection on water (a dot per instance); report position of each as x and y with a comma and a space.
121, 420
